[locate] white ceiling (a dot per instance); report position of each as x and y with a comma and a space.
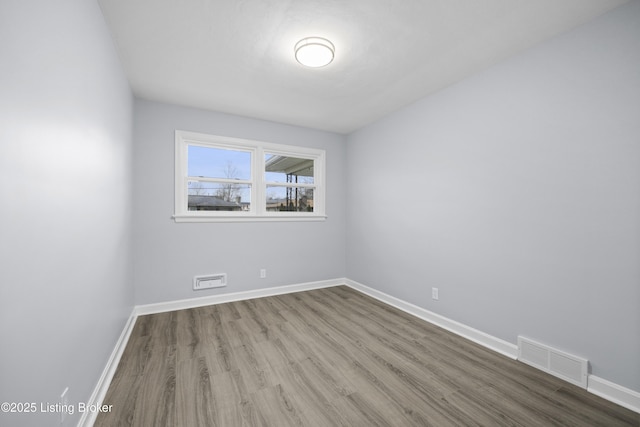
236, 56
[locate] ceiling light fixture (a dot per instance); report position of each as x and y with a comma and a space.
314, 52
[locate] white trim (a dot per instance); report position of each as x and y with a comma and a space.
249, 218
608, 390
615, 393
496, 344
88, 418
162, 307
257, 183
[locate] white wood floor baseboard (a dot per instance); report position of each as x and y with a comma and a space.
615, 393
622, 396
162, 307
608, 390
88, 417
496, 344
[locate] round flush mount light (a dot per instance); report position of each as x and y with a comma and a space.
314, 52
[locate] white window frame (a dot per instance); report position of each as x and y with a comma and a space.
258, 183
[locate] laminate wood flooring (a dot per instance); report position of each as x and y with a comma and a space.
330, 357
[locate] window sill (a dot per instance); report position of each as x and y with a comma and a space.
248, 218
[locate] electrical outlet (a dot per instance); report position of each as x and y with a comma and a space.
263, 273
434, 293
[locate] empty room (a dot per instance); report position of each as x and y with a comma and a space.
313, 213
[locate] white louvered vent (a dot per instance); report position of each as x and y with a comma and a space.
570, 368
210, 281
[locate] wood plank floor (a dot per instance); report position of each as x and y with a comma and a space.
330, 357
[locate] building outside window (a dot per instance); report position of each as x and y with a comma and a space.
229, 179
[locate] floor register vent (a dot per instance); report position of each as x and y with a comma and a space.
570, 368
209, 281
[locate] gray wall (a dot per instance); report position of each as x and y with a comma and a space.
517, 193
65, 149
169, 254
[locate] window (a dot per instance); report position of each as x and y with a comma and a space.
228, 179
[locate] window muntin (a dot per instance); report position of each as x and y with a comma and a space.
228, 179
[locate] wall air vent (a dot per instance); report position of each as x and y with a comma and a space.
209, 281
566, 366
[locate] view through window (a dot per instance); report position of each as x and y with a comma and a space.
221, 177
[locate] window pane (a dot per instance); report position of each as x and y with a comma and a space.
289, 199
210, 196
218, 163
288, 169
